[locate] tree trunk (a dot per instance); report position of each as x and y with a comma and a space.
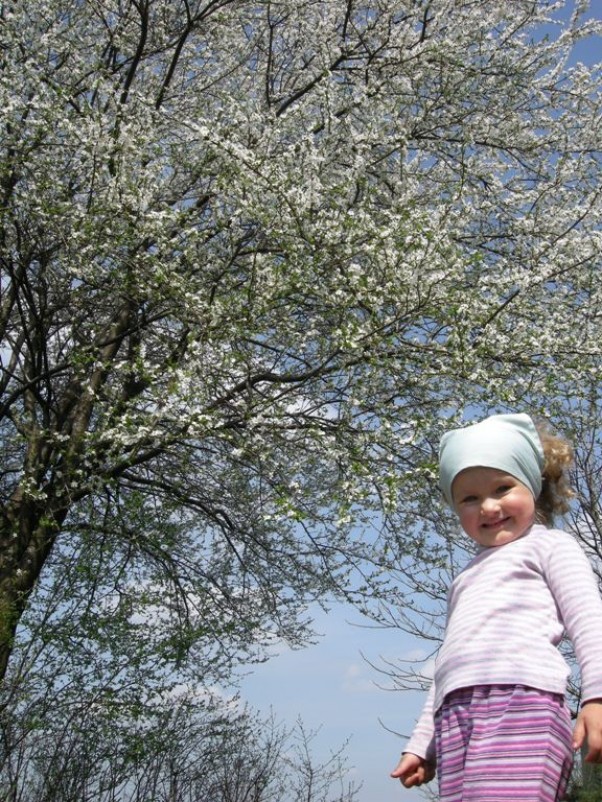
26, 541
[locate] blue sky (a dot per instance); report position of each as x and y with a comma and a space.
331, 687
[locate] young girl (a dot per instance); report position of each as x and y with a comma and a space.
495, 723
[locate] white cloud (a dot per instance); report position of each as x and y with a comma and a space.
356, 681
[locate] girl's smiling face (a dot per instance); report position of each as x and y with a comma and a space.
494, 507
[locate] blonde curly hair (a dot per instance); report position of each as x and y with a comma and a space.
556, 492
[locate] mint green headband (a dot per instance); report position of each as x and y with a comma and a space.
509, 443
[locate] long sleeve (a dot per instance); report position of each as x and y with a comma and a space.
422, 741
575, 589
508, 611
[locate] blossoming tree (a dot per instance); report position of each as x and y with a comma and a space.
252, 256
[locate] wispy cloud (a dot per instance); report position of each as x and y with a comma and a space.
356, 681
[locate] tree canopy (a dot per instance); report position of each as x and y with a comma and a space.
254, 256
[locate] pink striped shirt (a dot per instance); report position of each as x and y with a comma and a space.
507, 612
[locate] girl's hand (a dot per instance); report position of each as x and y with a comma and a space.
413, 770
589, 727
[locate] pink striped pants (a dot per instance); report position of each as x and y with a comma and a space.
503, 743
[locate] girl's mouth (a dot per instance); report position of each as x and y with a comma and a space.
495, 524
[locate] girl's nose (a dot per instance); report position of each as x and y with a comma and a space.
489, 506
